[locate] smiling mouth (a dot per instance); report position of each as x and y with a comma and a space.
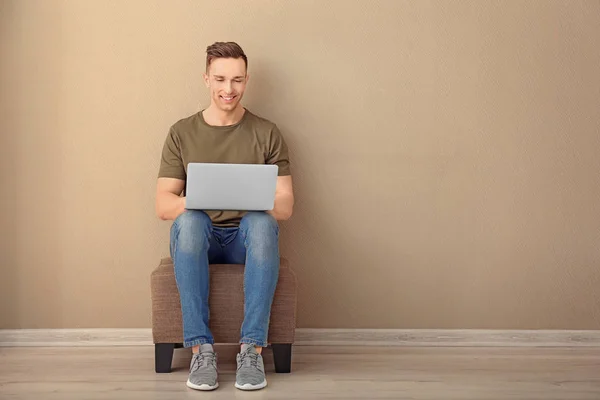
228, 98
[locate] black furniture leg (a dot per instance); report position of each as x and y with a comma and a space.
163, 356
282, 355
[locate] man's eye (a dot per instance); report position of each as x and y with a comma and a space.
219, 80
238, 81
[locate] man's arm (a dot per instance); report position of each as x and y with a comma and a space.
169, 203
284, 199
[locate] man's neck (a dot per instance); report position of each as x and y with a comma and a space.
213, 116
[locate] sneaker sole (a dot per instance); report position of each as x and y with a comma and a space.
249, 386
204, 386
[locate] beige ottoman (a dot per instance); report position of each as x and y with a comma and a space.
226, 302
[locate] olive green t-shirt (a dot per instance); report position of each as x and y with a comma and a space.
253, 140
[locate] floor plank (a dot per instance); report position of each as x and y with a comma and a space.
318, 372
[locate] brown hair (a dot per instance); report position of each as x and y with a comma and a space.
224, 50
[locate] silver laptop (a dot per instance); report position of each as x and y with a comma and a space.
240, 187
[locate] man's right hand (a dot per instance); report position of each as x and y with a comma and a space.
169, 203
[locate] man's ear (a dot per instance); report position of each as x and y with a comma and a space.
206, 80
247, 78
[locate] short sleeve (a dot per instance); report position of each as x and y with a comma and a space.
171, 163
278, 152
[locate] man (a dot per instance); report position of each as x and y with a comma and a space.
225, 132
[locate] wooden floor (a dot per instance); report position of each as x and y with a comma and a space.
317, 373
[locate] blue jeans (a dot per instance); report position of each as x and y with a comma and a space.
196, 243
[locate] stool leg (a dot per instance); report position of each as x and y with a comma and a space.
282, 355
163, 356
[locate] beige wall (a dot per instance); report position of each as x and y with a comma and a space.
446, 155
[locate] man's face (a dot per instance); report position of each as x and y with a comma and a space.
226, 80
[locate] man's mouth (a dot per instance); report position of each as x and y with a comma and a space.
228, 98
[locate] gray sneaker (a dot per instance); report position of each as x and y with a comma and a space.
250, 369
203, 369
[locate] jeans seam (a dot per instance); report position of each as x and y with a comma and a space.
174, 235
195, 342
260, 343
244, 236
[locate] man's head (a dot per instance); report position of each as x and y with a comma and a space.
226, 74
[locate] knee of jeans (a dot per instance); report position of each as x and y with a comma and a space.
261, 234
260, 225
193, 230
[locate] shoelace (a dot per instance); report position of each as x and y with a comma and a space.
252, 358
203, 359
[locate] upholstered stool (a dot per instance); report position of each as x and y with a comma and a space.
226, 302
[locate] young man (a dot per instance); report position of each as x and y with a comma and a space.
225, 132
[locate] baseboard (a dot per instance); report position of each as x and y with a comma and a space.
323, 337
75, 337
449, 337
